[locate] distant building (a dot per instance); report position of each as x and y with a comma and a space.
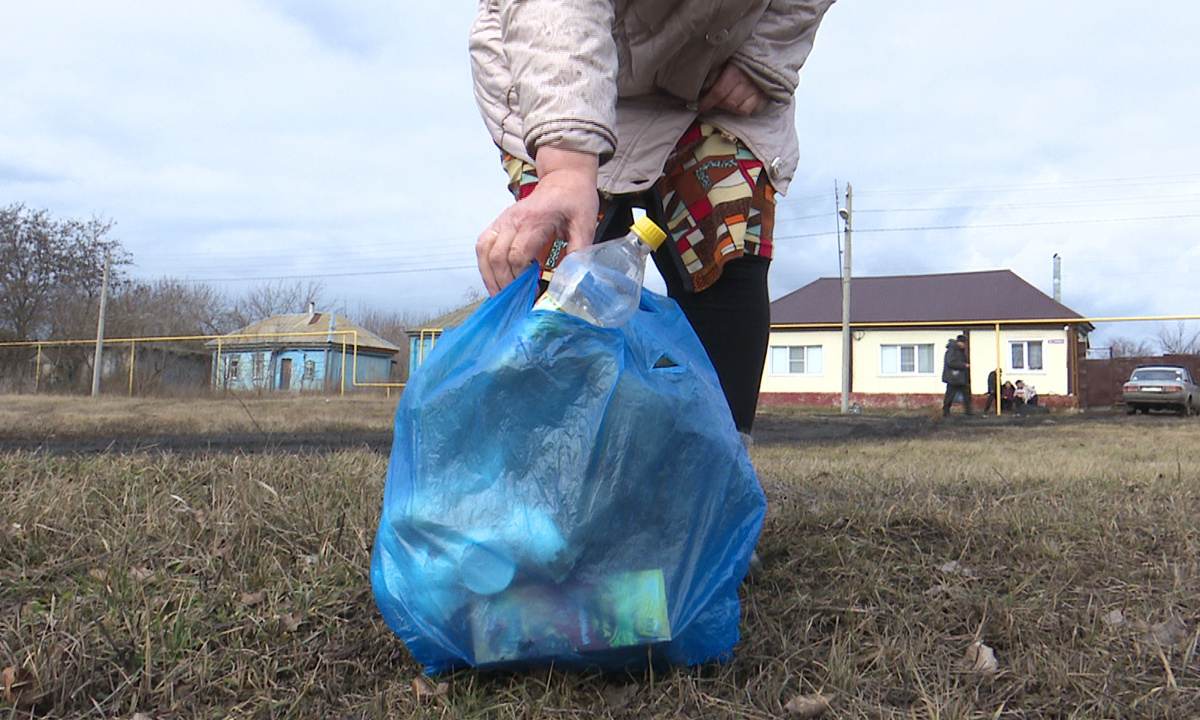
899, 329
305, 352
174, 366
422, 339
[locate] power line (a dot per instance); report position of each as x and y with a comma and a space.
971, 226
792, 236
1157, 200
400, 264
322, 275
1031, 223
1055, 184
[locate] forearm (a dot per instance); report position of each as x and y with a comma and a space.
564, 66
554, 161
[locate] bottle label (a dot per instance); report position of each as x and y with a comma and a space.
548, 303
545, 302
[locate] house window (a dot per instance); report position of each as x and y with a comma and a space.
1026, 354
797, 360
906, 359
310, 369
232, 372
258, 367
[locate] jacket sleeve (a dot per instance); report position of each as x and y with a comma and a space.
774, 53
564, 67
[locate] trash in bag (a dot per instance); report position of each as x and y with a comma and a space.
561, 493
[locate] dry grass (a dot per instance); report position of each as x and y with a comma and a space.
893, 557
32, 416
236, 586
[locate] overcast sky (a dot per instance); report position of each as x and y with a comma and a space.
241, 141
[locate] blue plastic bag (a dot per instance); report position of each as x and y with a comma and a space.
562, 493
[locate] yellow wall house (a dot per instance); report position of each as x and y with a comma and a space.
900, 326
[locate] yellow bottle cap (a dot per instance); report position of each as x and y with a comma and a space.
648, 231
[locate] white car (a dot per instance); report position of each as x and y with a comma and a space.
1161, 387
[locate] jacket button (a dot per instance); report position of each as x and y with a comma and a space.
776, 167
716, 37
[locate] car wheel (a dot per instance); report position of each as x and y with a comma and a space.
1131, 410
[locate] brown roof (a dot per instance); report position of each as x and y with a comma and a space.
306, 330
451, 319
986, 296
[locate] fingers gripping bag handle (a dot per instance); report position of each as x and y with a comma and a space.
563, 493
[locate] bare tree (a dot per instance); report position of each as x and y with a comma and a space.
1126, 347
390, 326
278, 298
472, 294
51, 271
1179, 339
50, 280
170, 307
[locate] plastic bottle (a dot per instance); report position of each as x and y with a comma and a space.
602, 284
486, 569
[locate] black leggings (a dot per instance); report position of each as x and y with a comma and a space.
732, 317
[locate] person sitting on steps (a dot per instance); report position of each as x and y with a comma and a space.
1026, 399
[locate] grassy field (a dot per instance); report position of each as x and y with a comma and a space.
28, 416
159, 585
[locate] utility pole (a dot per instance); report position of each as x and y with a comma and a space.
100, 330
846, 214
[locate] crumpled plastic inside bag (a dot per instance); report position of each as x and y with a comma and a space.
562, 493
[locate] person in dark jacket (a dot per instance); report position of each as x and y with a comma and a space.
991, 392
956, 373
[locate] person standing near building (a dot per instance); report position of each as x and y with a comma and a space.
956, 373
682, 108
992, 391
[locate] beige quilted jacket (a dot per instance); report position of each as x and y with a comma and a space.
621, 78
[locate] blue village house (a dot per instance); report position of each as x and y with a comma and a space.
310, 351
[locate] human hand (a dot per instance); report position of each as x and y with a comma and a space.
728, 88
564, 204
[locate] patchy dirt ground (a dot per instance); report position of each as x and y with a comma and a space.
770, 428
776, 428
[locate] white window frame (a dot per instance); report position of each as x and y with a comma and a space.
916, 370
310, 369
1024, 364
259, 366
807, 360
